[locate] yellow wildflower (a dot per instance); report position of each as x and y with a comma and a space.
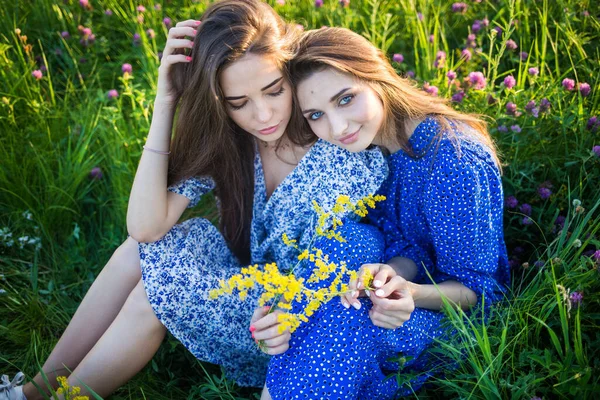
281, 289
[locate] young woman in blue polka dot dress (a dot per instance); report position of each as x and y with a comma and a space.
442, 216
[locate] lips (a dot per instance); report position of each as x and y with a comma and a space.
269, 130
351, 138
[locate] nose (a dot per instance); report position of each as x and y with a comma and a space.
338, 125
264, 112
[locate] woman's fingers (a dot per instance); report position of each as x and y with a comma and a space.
277, 341
175, 33
382, 275
268, 333
395, 287
277, 350
259, 313
188, 22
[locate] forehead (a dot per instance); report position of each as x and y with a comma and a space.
322, 85
248, 74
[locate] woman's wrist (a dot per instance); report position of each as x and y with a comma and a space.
415, 290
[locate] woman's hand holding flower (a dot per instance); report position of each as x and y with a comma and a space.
265, 329
393, 303
392, 295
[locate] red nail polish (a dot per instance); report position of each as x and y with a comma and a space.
188, 58
198, 22
252, 335
195, 31
252, 328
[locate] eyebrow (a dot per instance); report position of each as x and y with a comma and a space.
275, 82
335, 96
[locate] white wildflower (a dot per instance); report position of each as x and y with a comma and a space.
577, 243
576, 203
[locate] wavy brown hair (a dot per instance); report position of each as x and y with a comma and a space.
350, 53
206, 141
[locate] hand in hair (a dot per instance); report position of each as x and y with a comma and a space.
173, 54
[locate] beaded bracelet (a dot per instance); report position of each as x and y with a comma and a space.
164, 153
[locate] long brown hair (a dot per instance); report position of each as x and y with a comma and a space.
207, 142
350, 53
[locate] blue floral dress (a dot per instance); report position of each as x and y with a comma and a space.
180, 269
443, 210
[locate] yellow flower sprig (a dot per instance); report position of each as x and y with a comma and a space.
69, 392
282, 289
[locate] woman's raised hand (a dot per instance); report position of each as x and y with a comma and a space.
177, 39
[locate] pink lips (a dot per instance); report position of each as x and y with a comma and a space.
269, 130
348, 139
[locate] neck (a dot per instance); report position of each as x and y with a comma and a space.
393, 145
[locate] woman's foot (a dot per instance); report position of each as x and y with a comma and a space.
12, 390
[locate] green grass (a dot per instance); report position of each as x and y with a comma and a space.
53, 131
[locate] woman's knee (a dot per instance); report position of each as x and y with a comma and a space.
126, 260
137, 306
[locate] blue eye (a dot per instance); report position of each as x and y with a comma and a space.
345, 100
315, 116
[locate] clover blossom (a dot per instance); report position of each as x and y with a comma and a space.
568, 84
510, 82
545, 105
511, 108
440, 59
511, 44
533, 71
584, 89
451, 75
167, 21
458, 97
596, 150
459, 8
477, 80
466, 54
525, 209
399, 58
544, 193
318, 3
37, 74
126, 68
523, 55
430, 89
112, 94
511, 202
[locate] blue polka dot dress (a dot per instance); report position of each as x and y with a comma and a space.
443, 210
180, 269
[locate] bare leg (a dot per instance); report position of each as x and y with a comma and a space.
96, 312
124, 349
265, 395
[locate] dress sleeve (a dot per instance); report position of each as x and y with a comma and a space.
464, 215
193, 188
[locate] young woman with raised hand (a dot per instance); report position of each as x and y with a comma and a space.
234, 102
442, 216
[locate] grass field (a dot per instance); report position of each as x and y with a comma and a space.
72, 125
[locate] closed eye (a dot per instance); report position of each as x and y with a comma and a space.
237, 107
278, 93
